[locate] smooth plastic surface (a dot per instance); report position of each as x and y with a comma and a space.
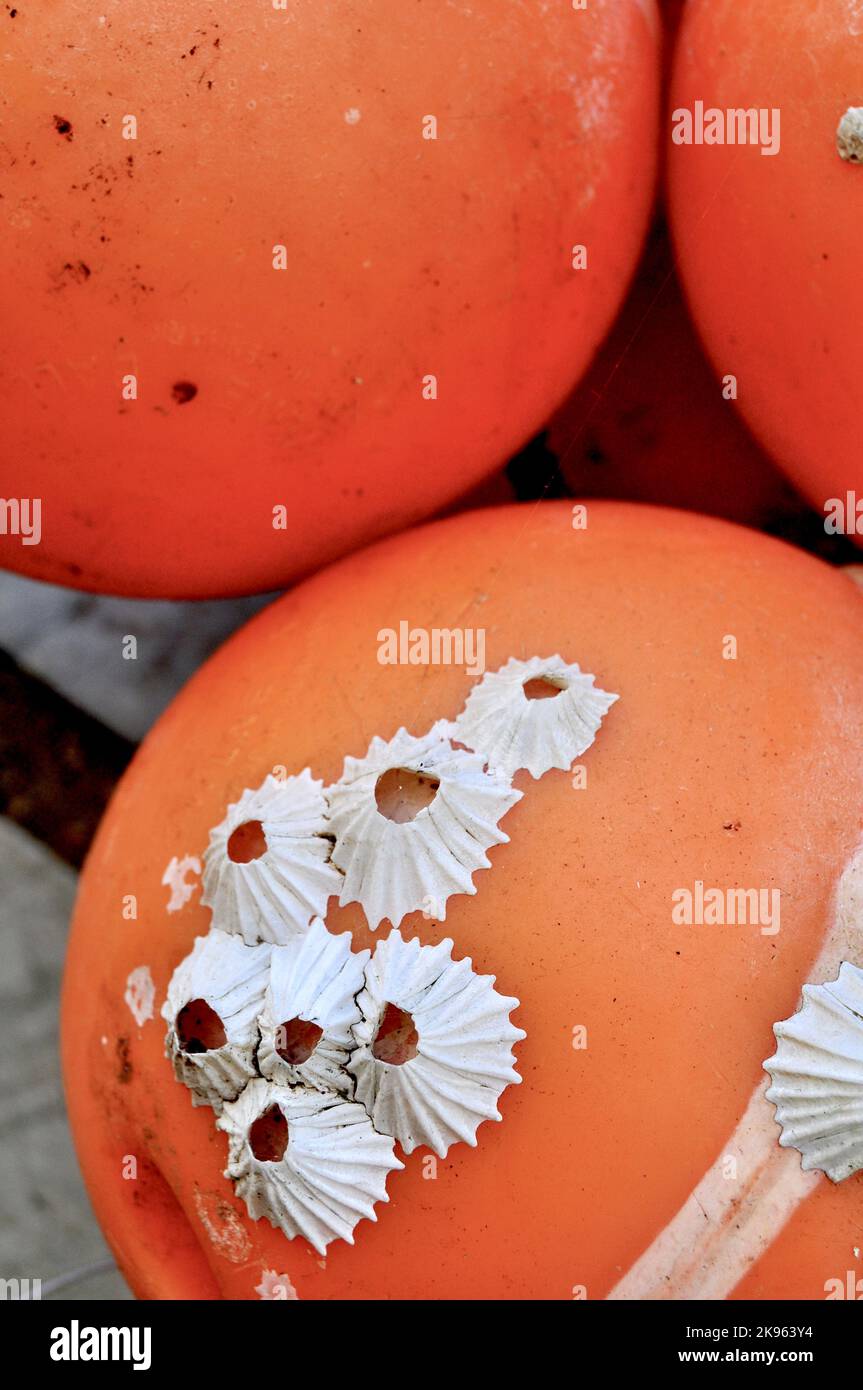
296, 137
769, 245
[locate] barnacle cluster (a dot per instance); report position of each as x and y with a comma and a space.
318, 1059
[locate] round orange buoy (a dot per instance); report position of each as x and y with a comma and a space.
648, 914
278, 284
766, 195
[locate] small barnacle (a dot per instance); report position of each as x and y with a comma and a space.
212, 1008
817, 1076
849, 135
309, 1010
396, 858
267, 869
310, 1162
535, 714
434, 1046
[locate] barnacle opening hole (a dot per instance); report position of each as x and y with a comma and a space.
199, 1028
542, 688
268, 1136
247, 842
401, 793
396, 1040
296, 1040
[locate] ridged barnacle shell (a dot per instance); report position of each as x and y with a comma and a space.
513, 731
463, 1060
230, 978
315, 978
817, 1073
275, 896
333, 1170
393, 868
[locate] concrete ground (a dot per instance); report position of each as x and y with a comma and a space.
73, 642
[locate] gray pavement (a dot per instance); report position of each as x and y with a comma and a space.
73, 642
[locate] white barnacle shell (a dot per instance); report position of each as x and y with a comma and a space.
392, 868
315, 979
463, 1048
513, 731
333, 1169
230, 978
817, 1072
275, 896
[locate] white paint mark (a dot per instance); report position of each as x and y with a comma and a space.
140, 994
174, 878
855, 17
724, 1226
223, 1226
353, 116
